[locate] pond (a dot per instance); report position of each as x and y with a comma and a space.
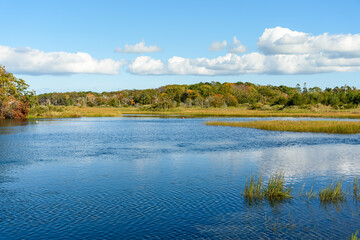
160, 178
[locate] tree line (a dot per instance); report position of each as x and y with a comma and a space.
16, 100
213, 94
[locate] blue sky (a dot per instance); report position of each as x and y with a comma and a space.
70, 45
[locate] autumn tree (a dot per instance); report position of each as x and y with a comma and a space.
14, 97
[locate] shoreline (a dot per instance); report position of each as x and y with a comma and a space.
73, 112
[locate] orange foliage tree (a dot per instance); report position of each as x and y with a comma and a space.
13, 102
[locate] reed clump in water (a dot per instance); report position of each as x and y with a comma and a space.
356, 189
333, 193
340, 127
273, 192
354, 236
253, 189
276, 189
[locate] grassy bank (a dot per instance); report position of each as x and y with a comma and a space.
61, 112
72, 112
341, 127
244, 112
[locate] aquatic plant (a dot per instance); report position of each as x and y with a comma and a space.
279, 224
311, 193
354, 236
333, 192
302, 189
240, 111
276, 189
253, 189
356, 189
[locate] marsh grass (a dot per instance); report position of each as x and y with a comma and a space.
198, 112
311, 193
276, 189
279, 224
341, 127
302, 190
244, 112
354, 236
52, 112
253, 192
356, 189
333, 193
72, 112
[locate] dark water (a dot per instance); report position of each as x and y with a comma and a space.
153, 178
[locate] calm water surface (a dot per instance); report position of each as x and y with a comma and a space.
161, 178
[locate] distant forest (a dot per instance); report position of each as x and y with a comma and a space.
214, 94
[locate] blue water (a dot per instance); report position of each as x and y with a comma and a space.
161, 178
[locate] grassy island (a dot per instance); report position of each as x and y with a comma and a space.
341, 127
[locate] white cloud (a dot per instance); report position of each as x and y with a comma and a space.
232, 64
32, 61
285, 41
284, 52
228, 64
145, 65
138, 48
236, 46
217, 46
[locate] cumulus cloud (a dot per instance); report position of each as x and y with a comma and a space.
32, 61
233, 64
285, 41
145, 65
236, 46
138, 48
217, 46
228, 64
283, 51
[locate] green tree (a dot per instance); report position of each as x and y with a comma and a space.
14, 97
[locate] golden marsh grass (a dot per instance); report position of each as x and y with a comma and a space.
73, 112
341, 127
200, 112
274, 191
356, 189
253, 189
354, 236
333, 192
243, 112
